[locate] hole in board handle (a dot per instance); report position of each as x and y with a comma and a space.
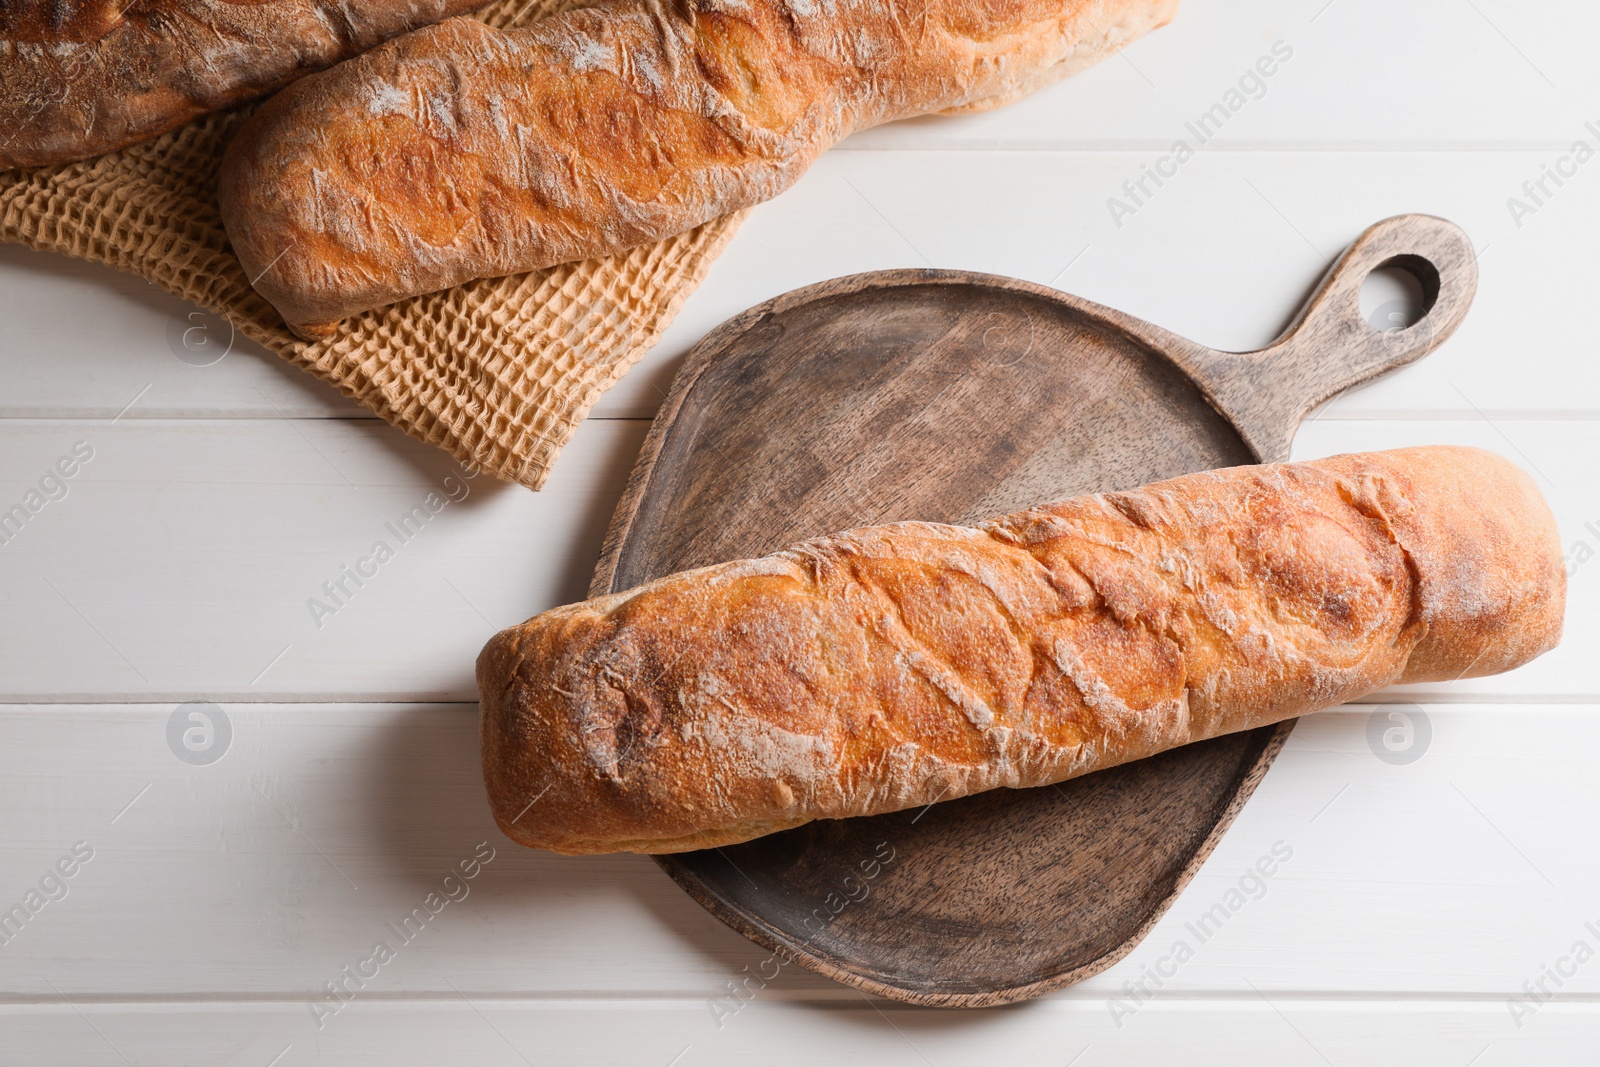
1399, 293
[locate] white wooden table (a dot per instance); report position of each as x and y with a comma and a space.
1442, 910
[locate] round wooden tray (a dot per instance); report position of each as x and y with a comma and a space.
955, 397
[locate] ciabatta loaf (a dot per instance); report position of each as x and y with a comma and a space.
894, 666
82, 77
461, 152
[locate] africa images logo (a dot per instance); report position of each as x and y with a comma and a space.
1400, 734
1203, 129
199, 733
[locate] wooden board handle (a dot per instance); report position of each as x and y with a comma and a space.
1329, 347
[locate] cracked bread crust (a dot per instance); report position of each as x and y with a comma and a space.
892, 666
462, 152
82, 77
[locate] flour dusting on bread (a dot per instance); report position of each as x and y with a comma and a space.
894, 666
634, 120
79, 78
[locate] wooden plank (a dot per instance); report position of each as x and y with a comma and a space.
83, 339
1362, 73
210, 558
188, 558
1222, 254
266, 872
490, 1033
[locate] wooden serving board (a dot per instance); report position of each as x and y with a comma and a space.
954, 397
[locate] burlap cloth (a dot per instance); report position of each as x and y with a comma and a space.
498, 373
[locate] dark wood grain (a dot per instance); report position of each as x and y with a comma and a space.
955, 397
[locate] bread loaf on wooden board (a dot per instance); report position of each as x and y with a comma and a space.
462, 152
82, 77
894, 666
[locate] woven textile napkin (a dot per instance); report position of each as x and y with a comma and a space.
497, 372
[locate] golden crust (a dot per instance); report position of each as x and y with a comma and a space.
462, 152
893, 666
82, 77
